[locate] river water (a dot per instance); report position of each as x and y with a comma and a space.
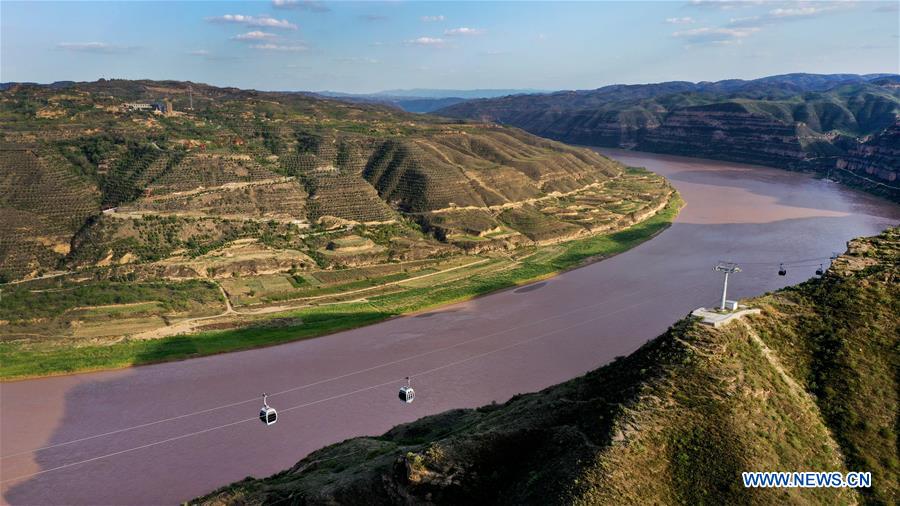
169, 432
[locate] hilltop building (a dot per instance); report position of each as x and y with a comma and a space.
136, 106
163, 106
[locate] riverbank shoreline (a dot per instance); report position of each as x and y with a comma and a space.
848, 179
21, 365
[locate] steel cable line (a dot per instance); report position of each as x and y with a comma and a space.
790, 263
313, 384
353, 392
352, 373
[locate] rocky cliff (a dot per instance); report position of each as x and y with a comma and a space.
873, 162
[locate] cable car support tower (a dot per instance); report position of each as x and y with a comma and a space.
727, 268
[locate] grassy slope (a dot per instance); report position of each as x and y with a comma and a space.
811, 384
21, 361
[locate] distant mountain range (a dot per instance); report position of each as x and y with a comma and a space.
438, 93
423, 100
842, 125
418, 100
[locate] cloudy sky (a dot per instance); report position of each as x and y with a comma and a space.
371, 46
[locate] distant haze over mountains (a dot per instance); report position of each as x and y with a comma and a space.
425, 100
430, 100
438, 93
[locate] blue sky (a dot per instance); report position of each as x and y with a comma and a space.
371, 46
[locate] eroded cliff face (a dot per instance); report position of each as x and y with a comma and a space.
845, 131
877, 159
727, 131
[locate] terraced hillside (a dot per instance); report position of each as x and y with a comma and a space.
252, 156
826, 123
275, 201
810, 384
36, 231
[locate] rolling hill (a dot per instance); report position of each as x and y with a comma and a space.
822, 123
76, 164
809, 384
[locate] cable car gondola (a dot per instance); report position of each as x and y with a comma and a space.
267, 414
407, 394
820, 270
781, 270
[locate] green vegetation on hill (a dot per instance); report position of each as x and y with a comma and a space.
811, 384
21, 303
272, 203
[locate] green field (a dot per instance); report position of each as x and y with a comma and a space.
21, 360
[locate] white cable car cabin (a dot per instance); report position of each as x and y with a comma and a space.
267, 414
407, 394
781, 270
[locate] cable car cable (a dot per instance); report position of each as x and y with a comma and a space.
347, 394
792, 262
335, 378
315, 383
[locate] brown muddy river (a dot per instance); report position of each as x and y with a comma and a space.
166, 433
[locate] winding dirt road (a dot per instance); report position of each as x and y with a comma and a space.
165, 433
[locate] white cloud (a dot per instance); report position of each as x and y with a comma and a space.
264, 21
798, 12
357, 59
680, 21
463, 31
254, 35
306, 5
199, 52
726, 4
715, 35
427, 41
279, 47
83, 46
94, 47
431, 19
740, 28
